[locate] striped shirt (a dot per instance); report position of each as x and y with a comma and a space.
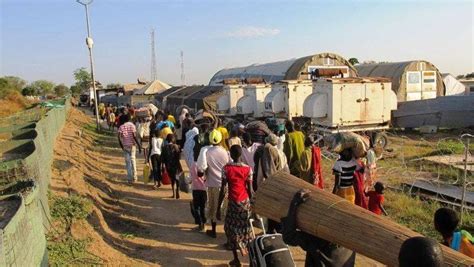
126, 132
345, 170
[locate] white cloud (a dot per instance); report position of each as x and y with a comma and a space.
252, 32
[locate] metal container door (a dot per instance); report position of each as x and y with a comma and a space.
413, 85
351, 103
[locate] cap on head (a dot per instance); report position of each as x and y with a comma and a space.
215, 137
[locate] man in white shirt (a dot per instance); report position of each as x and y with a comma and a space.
210, 162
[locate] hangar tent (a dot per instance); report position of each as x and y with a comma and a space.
292, 69
411, 80
452, 85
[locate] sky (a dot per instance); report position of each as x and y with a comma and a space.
45, 39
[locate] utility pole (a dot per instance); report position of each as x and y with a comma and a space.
153, 56
183, 77
90, 43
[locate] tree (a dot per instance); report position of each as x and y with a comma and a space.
43, 87
469, 75
29, 91
353, 60
75, 90
83, 79
15, 83
114, 85
10, 83
61, 90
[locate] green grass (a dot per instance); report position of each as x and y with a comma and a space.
452, 146
417, 214
71, 251
68, 209
63, 248
91, 129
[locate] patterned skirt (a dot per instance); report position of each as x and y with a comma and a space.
237, 225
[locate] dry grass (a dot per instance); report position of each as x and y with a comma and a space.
12, 103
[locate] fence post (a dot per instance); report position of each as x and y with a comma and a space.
464, 182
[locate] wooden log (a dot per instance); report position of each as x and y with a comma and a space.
337, 220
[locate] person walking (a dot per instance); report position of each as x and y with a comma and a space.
272, 161
188, 149
293, 147
144, 134
237, 177
171, 160
210, 164
127, 137
309, 166
344, 170
154, 155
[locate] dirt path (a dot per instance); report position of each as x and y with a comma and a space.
131, 225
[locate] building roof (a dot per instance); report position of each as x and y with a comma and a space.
206, 98
129, 87
152, 88
290, 69
160, 96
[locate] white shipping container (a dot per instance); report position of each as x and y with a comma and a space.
227, 103
253, 101
286, 98
350, 104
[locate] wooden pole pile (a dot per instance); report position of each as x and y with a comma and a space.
335, 219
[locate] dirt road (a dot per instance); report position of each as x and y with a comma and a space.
131, 224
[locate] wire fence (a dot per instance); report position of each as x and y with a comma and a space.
26, 149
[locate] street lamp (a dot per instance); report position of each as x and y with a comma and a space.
90, 43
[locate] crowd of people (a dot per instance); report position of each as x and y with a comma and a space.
226, 165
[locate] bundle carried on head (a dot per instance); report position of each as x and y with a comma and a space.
205, 117
143, 112
348, 140
258, 130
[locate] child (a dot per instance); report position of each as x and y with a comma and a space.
238, 177
199, 198
111, 120
371, 166
446, 221
420, 251
376, 199
154, 155
344, 170
234, 138
171, 155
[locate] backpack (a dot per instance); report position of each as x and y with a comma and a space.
457, 238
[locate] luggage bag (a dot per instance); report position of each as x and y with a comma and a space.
268, 250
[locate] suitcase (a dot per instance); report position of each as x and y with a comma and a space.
268, 250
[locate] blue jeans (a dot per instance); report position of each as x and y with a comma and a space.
131, 163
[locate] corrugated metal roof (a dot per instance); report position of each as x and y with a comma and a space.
287, 69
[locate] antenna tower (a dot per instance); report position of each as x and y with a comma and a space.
183, 77
153, 55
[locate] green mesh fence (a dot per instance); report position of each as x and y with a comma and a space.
26, 151
22, 237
